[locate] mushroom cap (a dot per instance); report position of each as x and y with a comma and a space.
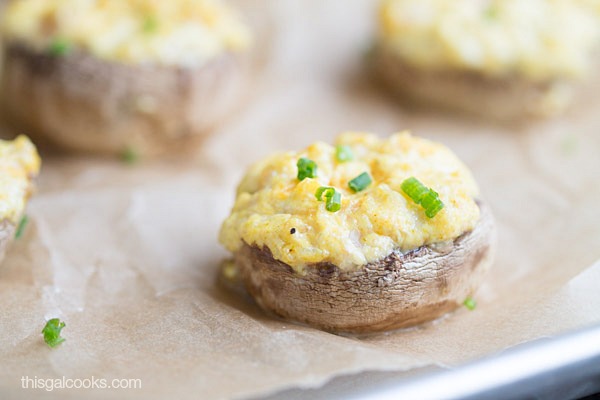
503, 98
87, 104
401, 290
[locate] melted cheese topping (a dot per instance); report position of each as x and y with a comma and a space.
539, 39
271, 202
170, 32
19, 164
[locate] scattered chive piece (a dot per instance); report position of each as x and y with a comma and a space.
52, 332
130, 155
360, 182
333, 197
343, 153
491, 12
59, 47
470, 303
431, 203
421, 194
306, 168
334, 203
414, 189
569, 144
324, 189
150, 24
21, 227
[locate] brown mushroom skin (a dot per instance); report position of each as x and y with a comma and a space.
399, 291
503, 99
86, 104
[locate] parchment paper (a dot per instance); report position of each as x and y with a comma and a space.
128, 255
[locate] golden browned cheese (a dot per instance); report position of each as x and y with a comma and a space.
274, 209
538, 39
19, 163
173, 32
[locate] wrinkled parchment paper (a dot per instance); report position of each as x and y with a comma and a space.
128, 255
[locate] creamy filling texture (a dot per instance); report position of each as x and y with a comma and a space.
19, 164
274, 209
539, 39
184, 33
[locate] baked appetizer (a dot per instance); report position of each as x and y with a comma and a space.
367, 235
19, 166
505, 59
111, 76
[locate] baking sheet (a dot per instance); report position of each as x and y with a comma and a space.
128, 255
562, 367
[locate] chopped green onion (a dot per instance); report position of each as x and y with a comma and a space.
21, 227
327, 190
343, 153
130, 155
306, 168
414, 189
360, 182
59, 47
569, 144
150, 24
52, 332
334, 203
491, 12
431, 203
470, 303
333, 197
421, 194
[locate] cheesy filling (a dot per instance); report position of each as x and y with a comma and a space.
169, 32
274, 209
538, 39
19, 164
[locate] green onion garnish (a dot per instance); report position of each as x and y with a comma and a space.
21, 227
334, 203
421, 194
414, 189
431, 203
129, 155
52, 332
343, 153
491, 12
569, 144
306, 168
59, 47
150, 24
470, 303
323, 189
334, 198
360, 182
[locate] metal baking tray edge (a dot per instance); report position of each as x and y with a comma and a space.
555, 368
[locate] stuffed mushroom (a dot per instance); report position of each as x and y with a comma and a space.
111, 76
364, 236
499, 59
19, 166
